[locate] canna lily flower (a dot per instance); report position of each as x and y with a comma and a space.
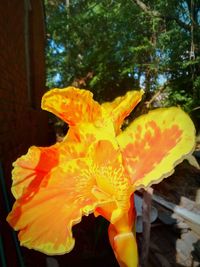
95, 169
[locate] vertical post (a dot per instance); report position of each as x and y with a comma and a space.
146, 214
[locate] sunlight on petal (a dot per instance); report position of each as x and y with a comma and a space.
72, 105
30, 169
121, 107
122, 238
95, 169
45, 220
109, 173
155, 143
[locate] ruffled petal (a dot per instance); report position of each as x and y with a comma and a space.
68, 191
30, 169
45, 220
72, 105
121, 107
155, 143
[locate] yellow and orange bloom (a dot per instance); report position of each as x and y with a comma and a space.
95, 169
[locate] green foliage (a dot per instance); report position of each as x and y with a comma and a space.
109, 46
179, 98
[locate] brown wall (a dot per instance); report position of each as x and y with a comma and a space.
22, 84
22, 79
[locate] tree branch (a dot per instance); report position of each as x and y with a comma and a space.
157, 14
158, 92
146, 9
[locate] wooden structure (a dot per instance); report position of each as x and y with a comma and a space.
22, 84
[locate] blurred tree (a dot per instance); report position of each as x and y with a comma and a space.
111, 46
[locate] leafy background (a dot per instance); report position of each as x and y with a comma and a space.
112, 46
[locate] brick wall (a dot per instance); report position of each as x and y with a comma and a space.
22, 84
22, 81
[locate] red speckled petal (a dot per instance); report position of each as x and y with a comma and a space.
72, 105
30, 169
155, 143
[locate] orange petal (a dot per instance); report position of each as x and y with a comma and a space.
30, 169
124, 247
121, 107
110, 175
155, 143
113, 181
88, 133
45, 220
123, 240
72, 105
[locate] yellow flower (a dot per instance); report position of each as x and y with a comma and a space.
95, 169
